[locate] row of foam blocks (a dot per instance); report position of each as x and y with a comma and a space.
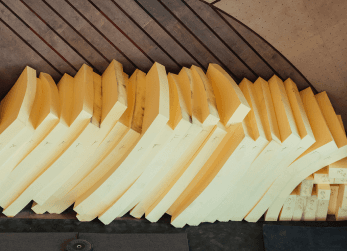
195, 145
320, 194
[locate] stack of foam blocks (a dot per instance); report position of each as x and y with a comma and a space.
320, 194
195, 145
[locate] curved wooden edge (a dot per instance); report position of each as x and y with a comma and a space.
264, 40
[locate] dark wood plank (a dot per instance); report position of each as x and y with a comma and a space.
81, 50
68, 50
136, 34
273, 57
145, 32
29, 35
170, 34
114, 36
157, 11
157, 32
75, 33
89, 31
109, 49
231, 38
15, 54
57, 44
227, 59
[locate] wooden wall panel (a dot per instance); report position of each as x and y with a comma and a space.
28, 35
157, 32
225, 57
231, 38
48, 36
12, 48
275, 59
310, 34
137, 33
176, 29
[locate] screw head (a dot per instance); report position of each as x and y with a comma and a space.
79, 245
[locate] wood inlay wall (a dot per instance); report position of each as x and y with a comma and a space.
58, 36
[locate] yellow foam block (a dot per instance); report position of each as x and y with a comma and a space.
304, 130
246, 143
289, 141
203, 148
203, 184
322, 176
99, 139
62, 154
163, 145
125, 135
28, 168
341, 122
341, 214
156, 115
264, 114
44, 116
179, 123
225, 88
287, 211
299, 208
342, 196
16, 108
323, 196
333, 199
340, 181
338, 169
323, 158
311, 206
306, 186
